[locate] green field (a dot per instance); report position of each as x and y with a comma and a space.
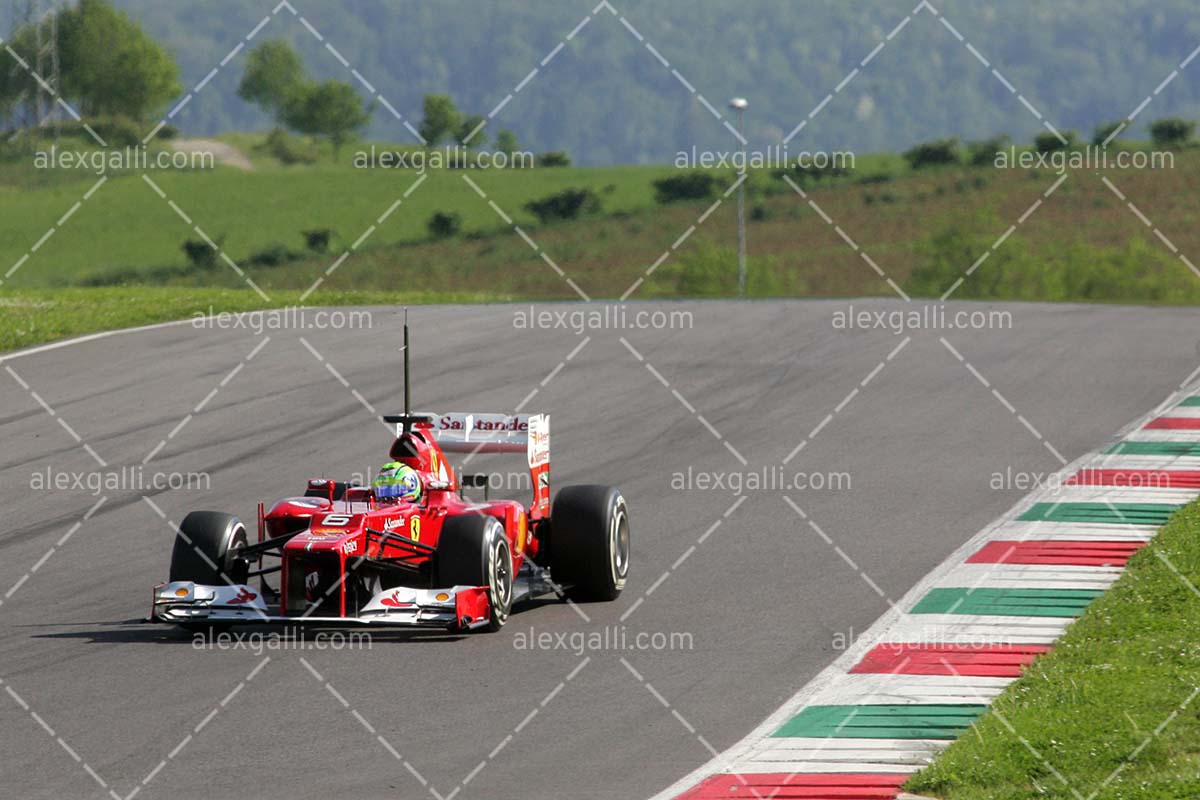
1112, 709
127, 225
923, 228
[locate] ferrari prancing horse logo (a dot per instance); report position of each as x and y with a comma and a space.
414, 529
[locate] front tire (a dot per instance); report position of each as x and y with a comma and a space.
206, 549
590, 541
473, 550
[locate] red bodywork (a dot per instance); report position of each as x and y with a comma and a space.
334, 532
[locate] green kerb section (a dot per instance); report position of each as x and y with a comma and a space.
1194, 400
882, 722
1104, 513
1007, 602
1155, 448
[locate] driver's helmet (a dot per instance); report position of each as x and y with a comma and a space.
396, 482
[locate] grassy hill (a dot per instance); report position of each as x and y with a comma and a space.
923, 228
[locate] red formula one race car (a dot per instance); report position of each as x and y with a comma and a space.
347, 555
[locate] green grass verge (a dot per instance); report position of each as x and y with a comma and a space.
1103, 708
31, 317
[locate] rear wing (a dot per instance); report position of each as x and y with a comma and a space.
460, 432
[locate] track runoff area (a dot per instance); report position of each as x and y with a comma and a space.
930, 667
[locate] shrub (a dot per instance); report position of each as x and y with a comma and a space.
116, 131
443, 224
710, 271
983, 153
803, 176
167, 132
567, 204
1105, 130
289, 149
1171, 132
935, 153
554, 158
696, 185
200, 254
274, 255
1137, 272
317, 240
1049, 143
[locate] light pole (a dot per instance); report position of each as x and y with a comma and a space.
739, 104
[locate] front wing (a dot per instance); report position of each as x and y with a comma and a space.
181, 602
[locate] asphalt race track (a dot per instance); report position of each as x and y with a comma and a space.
764, 597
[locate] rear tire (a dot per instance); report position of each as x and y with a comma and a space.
473, 550
590, 541
206, 549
